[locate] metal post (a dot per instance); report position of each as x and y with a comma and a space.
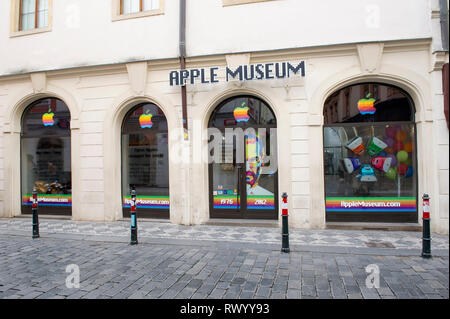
35, 219
285, 225
426, 239
134, 240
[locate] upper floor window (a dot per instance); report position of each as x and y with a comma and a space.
33, 14
135, 6
130, 9
30, 17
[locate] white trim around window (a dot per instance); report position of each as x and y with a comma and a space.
136, 9
43, 13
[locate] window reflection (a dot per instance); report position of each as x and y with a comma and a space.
145, 161
370, 155
46, 156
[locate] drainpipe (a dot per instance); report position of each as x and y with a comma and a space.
186, 165
444, 23
443, 8
182, 46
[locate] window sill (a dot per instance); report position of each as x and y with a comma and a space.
226, 3
29, 32
137, 15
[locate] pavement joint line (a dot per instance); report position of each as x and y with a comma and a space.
339, 250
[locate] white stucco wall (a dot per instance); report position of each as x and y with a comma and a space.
83, 33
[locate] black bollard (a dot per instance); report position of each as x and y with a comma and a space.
35, 218
285, 225
134, 239
426, 238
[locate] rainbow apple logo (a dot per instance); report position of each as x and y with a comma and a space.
47, 118
145, 120
365, 106
240, 113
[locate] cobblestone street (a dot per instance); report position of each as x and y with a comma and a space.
188, 268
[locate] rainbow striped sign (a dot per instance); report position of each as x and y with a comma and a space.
148, 202
371, 204
260, 202
226, 201
48, 199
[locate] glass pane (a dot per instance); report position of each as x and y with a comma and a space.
371, 102
147, 116
150, 5
260, 171
27, 14
145, 157
370, 168
131, 6
46, 166
43, 5
46, 117
28, 6
43, 13
42, 19
226, 179
28, 21
242, 111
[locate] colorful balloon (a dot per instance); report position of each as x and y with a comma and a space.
408, 147
400, 135
391, 173
410, 172
402, 169
398, 146
402, 156
389, 141
390, 131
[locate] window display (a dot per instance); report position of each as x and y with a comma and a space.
46, 157
145, 164
370, 167
243, 171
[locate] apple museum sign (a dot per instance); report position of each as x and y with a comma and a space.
267, 71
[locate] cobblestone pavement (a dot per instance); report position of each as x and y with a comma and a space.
267, 235
197, 269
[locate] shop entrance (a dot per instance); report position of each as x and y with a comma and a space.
243, 172
145, 161
46, 157
370, 157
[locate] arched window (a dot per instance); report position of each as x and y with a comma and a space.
46, 157
370, 157
145, 161
243, 171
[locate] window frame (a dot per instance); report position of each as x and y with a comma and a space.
117, 11
16, 19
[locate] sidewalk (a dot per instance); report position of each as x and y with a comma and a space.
214, 262
163, 231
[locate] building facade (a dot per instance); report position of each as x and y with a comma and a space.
341, 106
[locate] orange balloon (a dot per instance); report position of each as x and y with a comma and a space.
400, 136
389, 150
408, 147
